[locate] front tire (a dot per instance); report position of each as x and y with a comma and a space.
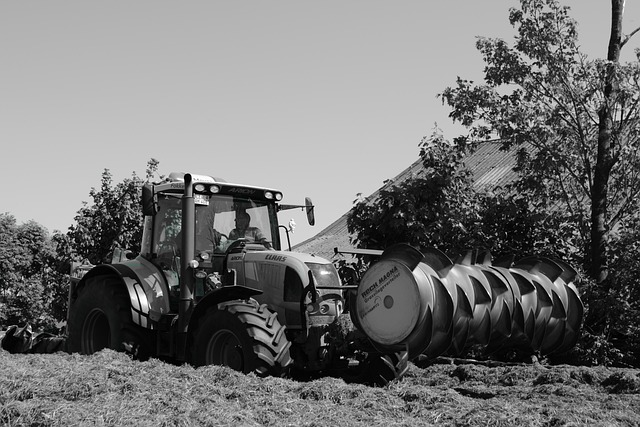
244, 336
101, 318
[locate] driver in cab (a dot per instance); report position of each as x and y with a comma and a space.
243, 231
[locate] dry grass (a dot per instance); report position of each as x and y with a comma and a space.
110, 389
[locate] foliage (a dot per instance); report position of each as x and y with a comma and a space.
507, 226
544, 95
32, 290
34, 267
431, 209
439, 207
547, 102
576, 124
113, 220
614, 337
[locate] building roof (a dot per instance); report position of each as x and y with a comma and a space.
492, 167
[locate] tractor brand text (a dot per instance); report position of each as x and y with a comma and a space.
247, 191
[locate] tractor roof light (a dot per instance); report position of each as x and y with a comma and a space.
214, 189
272, 195
199, 187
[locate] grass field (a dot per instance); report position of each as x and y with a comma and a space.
110, 389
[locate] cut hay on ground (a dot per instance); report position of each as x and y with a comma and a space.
110, 389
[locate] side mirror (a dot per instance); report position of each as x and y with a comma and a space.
311, 217
308, 206
149, 204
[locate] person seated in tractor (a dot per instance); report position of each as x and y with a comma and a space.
243, 231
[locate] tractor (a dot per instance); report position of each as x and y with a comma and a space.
212, 285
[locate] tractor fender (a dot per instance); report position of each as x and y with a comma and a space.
217, 296
146, 285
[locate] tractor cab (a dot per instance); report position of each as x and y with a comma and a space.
224, 218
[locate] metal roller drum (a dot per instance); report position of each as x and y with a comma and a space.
431, 305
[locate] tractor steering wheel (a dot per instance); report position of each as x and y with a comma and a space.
218, 237
241, 242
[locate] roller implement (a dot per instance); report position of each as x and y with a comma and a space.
213, 285
434, 306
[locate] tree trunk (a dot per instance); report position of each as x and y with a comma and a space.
605, 158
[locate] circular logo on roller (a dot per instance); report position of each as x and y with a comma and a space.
388, 302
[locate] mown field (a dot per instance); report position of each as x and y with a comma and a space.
110, 389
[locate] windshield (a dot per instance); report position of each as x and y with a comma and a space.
220, 220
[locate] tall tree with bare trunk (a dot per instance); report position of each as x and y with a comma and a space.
610, 115
575, 122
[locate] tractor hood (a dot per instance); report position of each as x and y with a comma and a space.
304, 289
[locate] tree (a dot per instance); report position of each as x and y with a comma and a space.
578, 118
34, 267
11, 254
430, 209
439, 207
31, 289
114, 220
613, 112
576, 124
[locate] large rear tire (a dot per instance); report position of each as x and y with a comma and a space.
101, 318
244, 336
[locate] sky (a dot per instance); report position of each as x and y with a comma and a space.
317, 99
